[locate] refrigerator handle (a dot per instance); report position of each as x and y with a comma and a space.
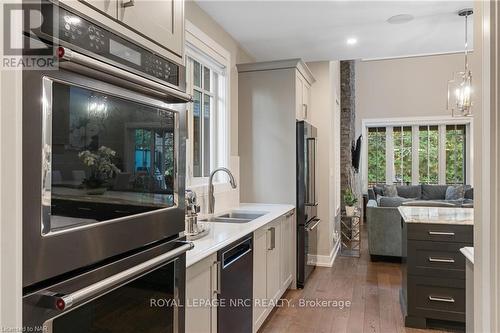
311, 170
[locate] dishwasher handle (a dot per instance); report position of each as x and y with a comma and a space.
236, 252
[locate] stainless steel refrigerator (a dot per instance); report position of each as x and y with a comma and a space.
307, 204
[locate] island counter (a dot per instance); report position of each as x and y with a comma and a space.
433, 281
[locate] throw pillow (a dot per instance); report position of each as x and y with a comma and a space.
390, 191
410, 191
455, 192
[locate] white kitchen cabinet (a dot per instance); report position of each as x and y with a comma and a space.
268, 99
109, 7
201, 285
303, 97
287, 249
273, 259
160, 21
259, 276
156, 25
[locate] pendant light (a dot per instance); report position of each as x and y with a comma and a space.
460, 87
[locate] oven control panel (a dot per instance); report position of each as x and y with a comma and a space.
92, 38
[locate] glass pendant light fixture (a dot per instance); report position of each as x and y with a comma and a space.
460, 86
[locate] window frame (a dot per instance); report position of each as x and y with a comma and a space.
415, 123
208, 53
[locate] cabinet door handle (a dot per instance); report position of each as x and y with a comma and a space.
290, 214
129, 3
218, 266
272, 238
305, 110
442, 299
448, 260
441, 233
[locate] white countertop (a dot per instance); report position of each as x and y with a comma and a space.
468, 252
222, 234
438, 215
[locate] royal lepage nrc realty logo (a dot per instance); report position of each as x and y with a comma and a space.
23, 48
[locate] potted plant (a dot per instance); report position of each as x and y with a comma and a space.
350, 201
102, 169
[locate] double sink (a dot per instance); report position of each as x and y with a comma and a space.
236, 216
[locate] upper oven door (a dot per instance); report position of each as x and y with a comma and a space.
103, 170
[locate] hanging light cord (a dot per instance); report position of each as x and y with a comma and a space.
466, 44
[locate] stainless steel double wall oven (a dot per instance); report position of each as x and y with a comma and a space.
103, 182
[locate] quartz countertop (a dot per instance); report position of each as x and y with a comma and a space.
222, 234
437, 215
468, 252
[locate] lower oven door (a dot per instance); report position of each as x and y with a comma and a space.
146, 297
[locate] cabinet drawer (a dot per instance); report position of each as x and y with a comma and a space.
439, 259
441, 232
436, 298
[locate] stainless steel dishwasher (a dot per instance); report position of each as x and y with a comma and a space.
234, 313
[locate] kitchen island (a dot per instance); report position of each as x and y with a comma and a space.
433, 282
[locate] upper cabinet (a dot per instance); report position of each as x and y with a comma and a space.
303, 97
106, 6
156, 25
160, 21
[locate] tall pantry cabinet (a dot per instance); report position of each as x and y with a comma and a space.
272, 96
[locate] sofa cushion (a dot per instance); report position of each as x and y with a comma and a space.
391, 201
434, 192
390, 191
455, 192
410, 191
429, 203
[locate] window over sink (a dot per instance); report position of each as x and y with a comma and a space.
207, 146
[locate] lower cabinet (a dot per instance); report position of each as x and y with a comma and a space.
274, 255
201, 284
273, 267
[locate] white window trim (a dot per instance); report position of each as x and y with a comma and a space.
415, 122
203, 48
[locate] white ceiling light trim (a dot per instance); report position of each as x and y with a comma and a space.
352, 41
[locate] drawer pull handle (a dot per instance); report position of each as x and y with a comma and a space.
441, 233
448, 260
442, 299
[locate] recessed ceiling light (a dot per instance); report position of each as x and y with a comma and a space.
400, 19
351, 41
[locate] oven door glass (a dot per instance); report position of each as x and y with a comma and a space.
105, 157
149, 304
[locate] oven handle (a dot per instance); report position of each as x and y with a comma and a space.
78, 58
63, 302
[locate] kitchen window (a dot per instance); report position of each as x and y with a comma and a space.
207, 144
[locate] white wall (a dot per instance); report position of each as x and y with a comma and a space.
224, 195
325, 116
404, 87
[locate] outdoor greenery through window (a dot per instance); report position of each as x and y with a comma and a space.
204, 91
455, 154
428, 154
376, 155
417, 152
402, 138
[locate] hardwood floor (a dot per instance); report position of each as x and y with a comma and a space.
371, 287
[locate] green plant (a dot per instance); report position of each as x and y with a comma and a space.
349, 197
101, 166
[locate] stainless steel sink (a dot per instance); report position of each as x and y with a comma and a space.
236, 217
243, 215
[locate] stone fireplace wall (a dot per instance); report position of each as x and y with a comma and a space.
348, 176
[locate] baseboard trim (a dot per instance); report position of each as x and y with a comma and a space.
325, 261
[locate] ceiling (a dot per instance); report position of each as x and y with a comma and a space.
319, 30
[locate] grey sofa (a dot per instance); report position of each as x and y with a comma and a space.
383, 218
